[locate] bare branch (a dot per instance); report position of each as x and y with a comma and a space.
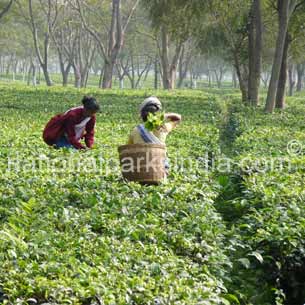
34, 32
88, 28
6, 9
130, 15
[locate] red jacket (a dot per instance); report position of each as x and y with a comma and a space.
65, 124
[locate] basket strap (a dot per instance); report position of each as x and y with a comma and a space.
147, 136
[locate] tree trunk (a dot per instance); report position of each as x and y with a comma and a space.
39, 75
234, 80
241, 78
46, 75
43, 59
133, 72
300, 73
132, 83
281, 89
65, 73
122, 83
164, 59
183, 68
107, 76
284, 6
291, 79
156, 73
116, 38
84, 78
217, 78
146, 75
24, 70
29, 75
172, 80
34, 76
100, 83
65, 79
169, 69
65, 76
63, 70
77, 77
255, 52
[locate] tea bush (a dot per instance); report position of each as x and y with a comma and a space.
270, 204
81, 235
86, 236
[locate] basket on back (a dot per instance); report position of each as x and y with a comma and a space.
143, 163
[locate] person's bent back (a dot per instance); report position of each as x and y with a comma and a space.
66, 130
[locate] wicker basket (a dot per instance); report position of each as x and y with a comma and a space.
143, 163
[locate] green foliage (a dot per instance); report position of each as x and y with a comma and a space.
75, 237
179, 17
227, 30
154, 121
267, 211
85, 236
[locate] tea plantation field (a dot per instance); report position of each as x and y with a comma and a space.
228, 227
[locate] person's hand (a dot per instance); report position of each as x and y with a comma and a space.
175, 117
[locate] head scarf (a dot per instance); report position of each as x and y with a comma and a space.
151, 101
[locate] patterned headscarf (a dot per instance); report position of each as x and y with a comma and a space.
151, 101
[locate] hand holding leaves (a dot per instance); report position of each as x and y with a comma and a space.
155, 121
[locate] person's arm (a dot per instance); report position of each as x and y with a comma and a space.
173, 117
89, 136
70, 129
172, 120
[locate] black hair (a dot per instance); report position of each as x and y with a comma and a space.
90, 103
151, 108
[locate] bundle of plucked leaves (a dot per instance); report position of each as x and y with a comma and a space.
154, 121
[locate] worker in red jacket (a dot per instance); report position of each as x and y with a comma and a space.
67, 129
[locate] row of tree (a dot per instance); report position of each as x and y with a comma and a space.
258, 41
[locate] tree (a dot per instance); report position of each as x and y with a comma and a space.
230, 30
61, 35
138, 54
169, 66
293, 50
17, 50
297, 31
281, 87
187, 54
114, 32
172, 22
255, 51
285, 9
41, 17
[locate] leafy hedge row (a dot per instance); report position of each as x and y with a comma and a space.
268, 211
86, 237
89, 238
